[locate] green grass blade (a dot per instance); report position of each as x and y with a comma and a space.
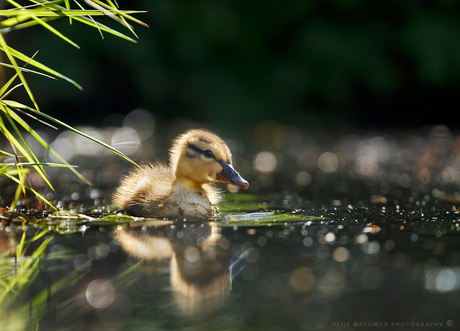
18, 192
67, 5
7, 85
12, 103
114, 5
108, 13
19, 171
32, 190
12, 59
40, 121
44, 143
43, 4
114, 150
4, 167
22, 178
92, 19
22, 15
129, 27
26, 20
15, 171
11, 90
6, 27
6, 153
33, 15
10, 22
104, 28
78, 15
36, 64
56, 32
14, 142
28, 70
118, 12
32, 164
9, 113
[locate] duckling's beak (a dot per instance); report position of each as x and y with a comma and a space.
231, 176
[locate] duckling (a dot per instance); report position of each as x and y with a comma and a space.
197, 159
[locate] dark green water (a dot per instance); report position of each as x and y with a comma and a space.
368, 266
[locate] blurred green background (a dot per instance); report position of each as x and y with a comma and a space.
232, 64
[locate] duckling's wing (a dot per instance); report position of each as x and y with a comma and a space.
144, 189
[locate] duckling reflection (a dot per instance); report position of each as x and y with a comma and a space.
201, 272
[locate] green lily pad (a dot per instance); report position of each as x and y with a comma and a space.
265, 219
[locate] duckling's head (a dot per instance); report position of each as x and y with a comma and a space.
201, 157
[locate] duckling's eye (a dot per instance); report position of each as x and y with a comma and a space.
208, 153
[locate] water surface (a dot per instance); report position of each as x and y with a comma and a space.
258, 267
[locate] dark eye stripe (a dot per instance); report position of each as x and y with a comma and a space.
194, 148
199, 150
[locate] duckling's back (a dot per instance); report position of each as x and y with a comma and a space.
144, 189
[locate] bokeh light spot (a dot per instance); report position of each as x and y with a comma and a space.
265, 162
126, 140
340, 254
301, 280
303, 178
85, 146
63, 147
445, 282
192, 254
328, 162
100, 293
82, 262
366, 166
141, 121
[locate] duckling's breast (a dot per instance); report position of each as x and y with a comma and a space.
186, 203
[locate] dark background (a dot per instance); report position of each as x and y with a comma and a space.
232, 64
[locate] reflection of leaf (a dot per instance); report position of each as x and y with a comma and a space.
236, 202
26, 270
20, 277
15, 284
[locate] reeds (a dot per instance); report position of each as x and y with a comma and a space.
13, 113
